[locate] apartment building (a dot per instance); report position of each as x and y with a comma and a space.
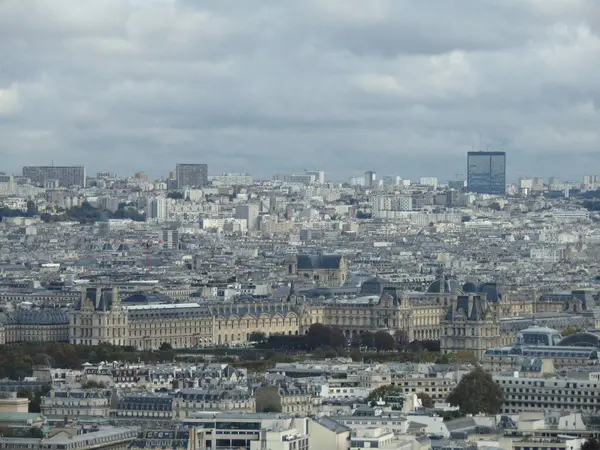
289, 398
78, 403
188, 401
581, 394
437, 386
66, 176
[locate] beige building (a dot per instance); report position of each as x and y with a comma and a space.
9, 403
188, 401
147, 320
34, 325
471, 324
101, 317
79, 403
289, 399
437, 387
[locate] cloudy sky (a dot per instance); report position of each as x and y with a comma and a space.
401, 87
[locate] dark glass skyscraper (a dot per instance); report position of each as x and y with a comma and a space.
191, 175
486, 173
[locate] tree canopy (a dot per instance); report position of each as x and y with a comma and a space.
86, 213
320, 335
571, 329
257, 336
426, 399
165, 347
591, 443
390, 395
477, 393
384, 341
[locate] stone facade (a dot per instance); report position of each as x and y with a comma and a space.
145, 321
100, 317
323, 270
36, 325
471, 324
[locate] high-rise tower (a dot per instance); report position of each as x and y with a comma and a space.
486, 172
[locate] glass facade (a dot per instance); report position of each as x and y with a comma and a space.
486, 173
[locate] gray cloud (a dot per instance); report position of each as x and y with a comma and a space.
402, 87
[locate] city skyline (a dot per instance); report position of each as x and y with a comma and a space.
377, 85
448, 177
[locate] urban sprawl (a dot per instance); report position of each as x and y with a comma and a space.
214, 312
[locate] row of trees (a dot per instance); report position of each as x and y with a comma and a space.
86, 213
17, 360
325, 336
8, 212
475, 393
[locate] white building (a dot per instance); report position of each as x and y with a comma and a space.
7, 185
429, 181
549, 394
318, 174
158, 209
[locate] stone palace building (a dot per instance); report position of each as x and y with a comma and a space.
472, 317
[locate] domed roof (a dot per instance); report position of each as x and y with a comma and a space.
450, 287
539, 329
147, 298
583, 339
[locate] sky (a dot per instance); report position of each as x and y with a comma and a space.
401, 87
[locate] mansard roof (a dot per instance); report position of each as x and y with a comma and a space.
316, 262
147, 298
493, 291
44, 316
471, 307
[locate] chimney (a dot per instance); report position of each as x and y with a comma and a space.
471, 301
98, 296
115, 296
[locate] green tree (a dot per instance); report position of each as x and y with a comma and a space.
477, 393
35, 405
165, 347
384, 341
32, 209
257, 336
337, 340
25, 393
367, 339
320, 335
93, 384
443, 359
271, 409
591, 443
176, 195
426, 400
464, 357
571, 330
390, 395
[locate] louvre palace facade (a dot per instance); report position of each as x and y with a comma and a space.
447, 312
